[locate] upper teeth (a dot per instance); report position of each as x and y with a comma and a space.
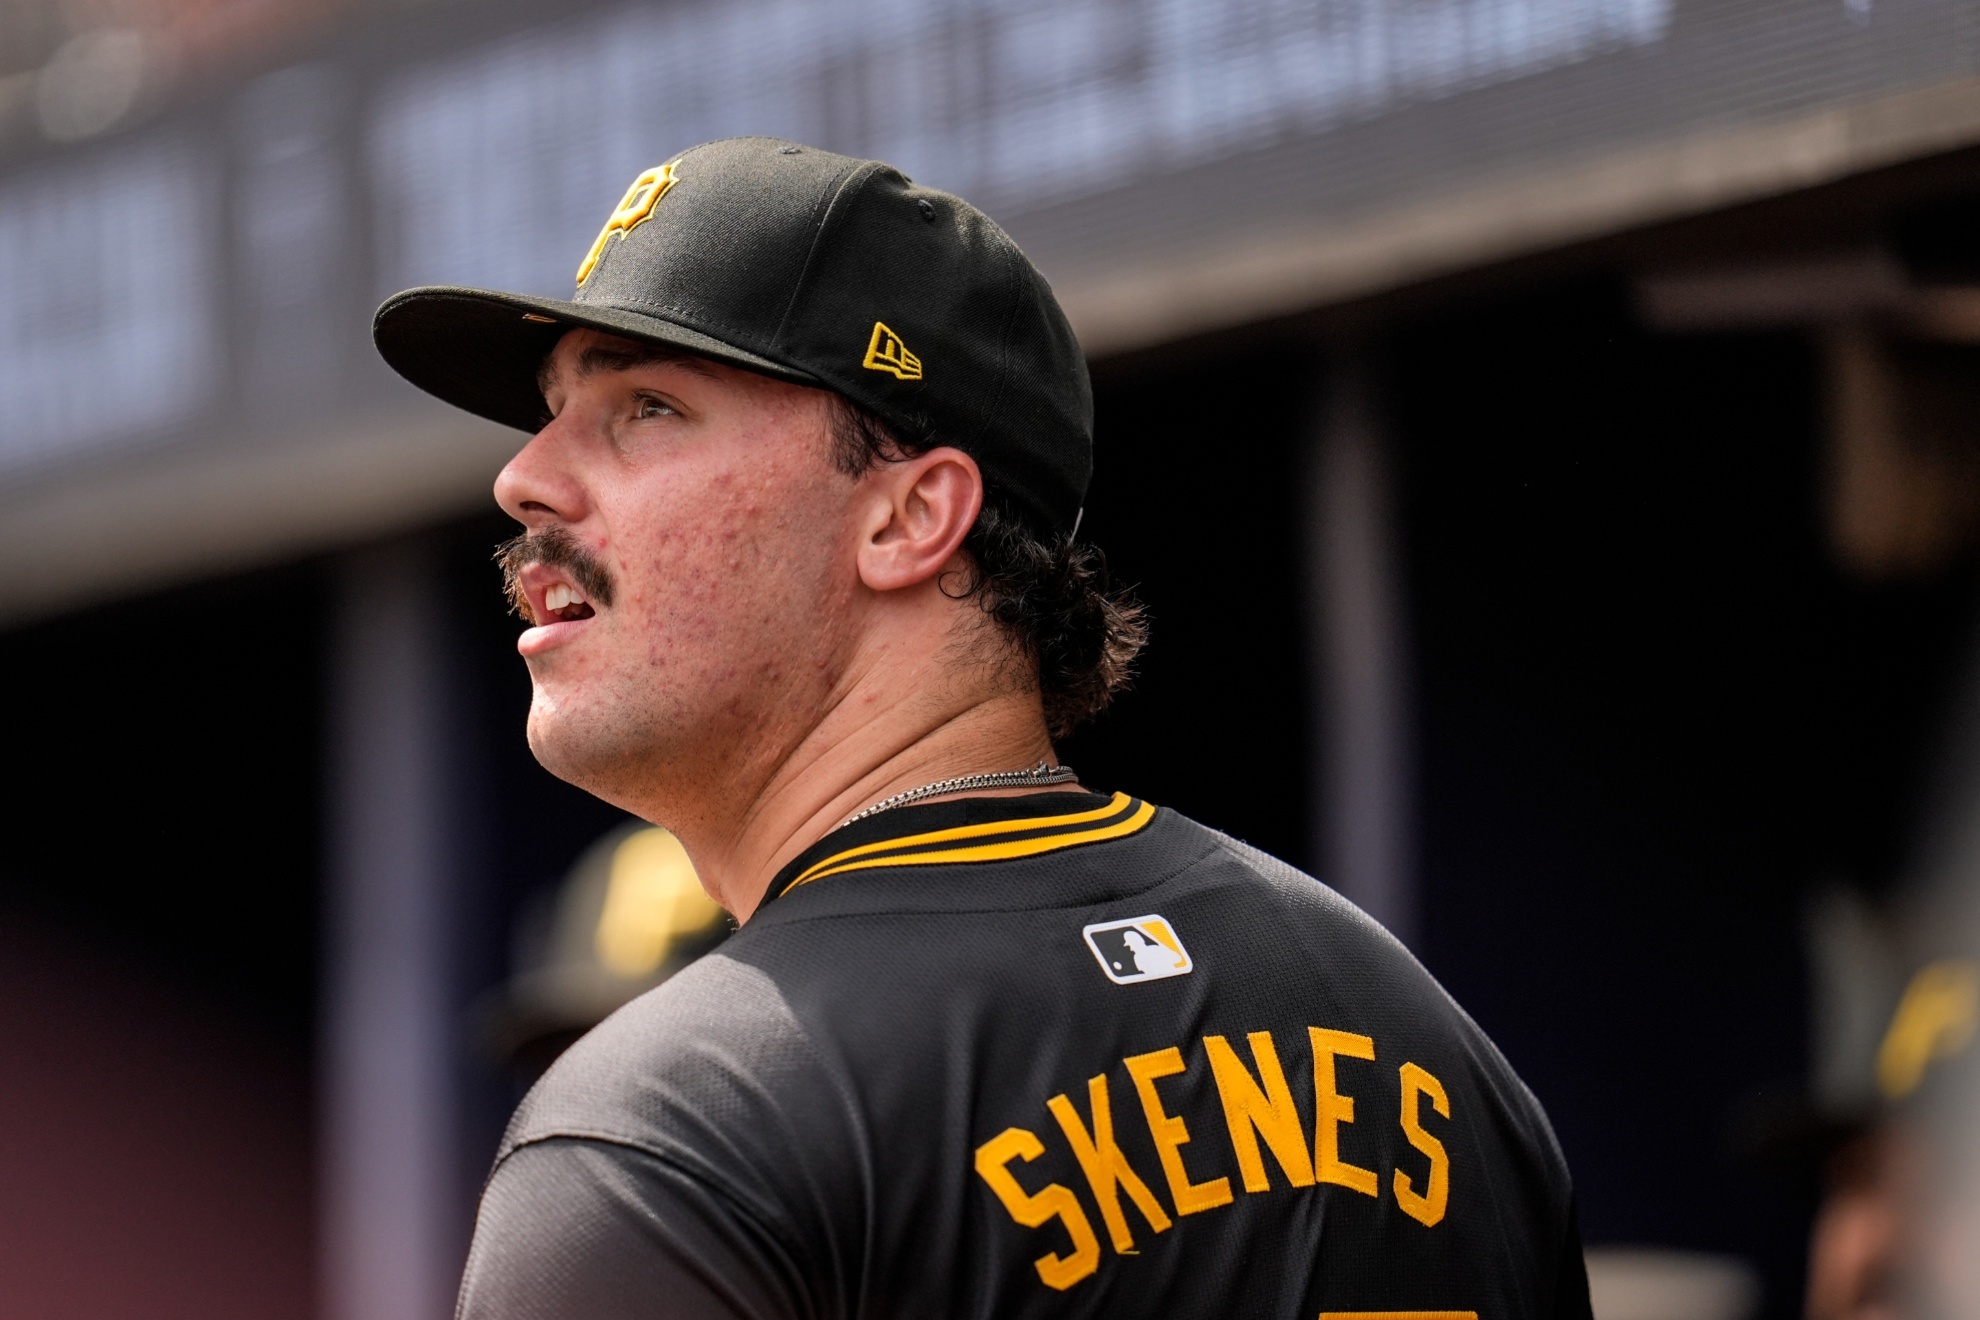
560, 595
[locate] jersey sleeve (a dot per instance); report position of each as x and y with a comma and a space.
575, 1229
691, 1156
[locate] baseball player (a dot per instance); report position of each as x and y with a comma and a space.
810, 444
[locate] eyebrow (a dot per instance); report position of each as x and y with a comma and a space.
616, 357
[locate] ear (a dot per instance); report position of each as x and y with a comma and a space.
919, 512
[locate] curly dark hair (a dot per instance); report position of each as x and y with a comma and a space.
1053, 600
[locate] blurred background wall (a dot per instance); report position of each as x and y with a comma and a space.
1547, 433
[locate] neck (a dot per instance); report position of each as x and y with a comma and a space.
854, 757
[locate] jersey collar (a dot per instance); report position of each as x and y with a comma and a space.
977, 829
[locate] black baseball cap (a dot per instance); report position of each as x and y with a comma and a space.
810, 267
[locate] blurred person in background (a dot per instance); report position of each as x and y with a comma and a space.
1900, 1212
1897, 1231
811, 445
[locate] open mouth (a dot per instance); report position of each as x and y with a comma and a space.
550, 578
545, 595
566, 603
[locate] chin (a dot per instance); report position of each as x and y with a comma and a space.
615, 750
589, 754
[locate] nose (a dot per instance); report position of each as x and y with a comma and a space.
538, 487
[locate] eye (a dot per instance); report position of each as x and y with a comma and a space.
647, 405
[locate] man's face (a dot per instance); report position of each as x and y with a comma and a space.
693, 572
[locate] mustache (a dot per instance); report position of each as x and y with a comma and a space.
553, 547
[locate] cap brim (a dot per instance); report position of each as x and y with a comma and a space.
480, 350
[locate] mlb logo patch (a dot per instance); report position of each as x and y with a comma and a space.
1138, 949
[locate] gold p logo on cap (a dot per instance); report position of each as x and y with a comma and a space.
633, 210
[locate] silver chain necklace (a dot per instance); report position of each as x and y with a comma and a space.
1039, 775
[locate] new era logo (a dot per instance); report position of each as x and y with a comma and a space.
1138, 949
886, 352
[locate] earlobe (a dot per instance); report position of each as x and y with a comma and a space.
929, 503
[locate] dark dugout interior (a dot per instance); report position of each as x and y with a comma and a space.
164, 796
1655, 715
1652, 714
158, 900
1196, 501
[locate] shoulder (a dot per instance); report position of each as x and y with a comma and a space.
716, 1049
1219, 853
694, 1137
1272, 904
1264, 898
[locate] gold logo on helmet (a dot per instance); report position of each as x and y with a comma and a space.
632, 211
886, 352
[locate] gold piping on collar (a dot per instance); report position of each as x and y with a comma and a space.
1122, 816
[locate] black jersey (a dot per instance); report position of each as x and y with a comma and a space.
1058, 1055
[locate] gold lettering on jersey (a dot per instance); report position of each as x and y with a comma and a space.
1257, 1102
1252, 1111
1428, 1207
633, 210
1107, 1170
1037, 1209
1172, 1134
1331, 1109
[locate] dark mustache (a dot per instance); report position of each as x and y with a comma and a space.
554, 547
